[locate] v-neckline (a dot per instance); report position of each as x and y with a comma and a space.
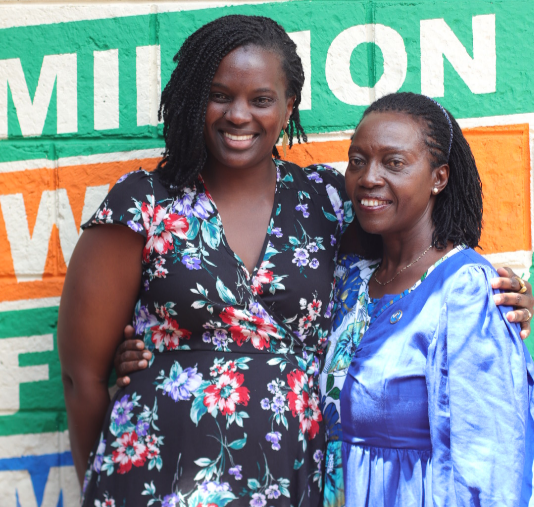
266, 240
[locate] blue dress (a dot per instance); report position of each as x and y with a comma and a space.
437, 407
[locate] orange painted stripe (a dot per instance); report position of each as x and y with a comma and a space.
502, 155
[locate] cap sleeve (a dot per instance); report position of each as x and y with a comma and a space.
124, 203
478, 389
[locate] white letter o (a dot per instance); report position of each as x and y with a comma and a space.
337, 67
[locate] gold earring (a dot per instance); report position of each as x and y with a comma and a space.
435, 190
285, 140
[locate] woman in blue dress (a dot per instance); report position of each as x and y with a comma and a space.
436, 408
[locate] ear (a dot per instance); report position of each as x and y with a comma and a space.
440, 179
289, 108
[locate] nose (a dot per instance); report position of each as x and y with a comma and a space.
371, 177
238, 112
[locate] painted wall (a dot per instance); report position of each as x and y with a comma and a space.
79, 92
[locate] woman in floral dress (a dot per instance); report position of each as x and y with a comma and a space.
225, 259
228, 410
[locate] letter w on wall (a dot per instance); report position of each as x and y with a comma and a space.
32, 114
29, 251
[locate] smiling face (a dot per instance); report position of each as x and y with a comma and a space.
247, 108
390, 177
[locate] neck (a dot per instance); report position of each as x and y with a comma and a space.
401, 249
255, 179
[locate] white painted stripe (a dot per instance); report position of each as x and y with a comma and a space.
34, 444
148, 66
519, 261
28, 304
106, 89
29, 14
101, 158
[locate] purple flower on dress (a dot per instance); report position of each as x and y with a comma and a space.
124, 176
318, 456
172, 500
191, 262
135, 226
273, 492
236, 472
277, 232
300, 257
213, 486
181, 383
141, 428
258, 500
333, 240
99, 456
220, 338
272, 387
328, 311
201, 207
304, 209
314, 264
315, 177
146, 285
121, 410
279, 400
265, 404
206, 337
312, 247
143, 319
274, 437
337, 205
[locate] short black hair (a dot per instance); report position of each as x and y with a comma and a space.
457, 214
184, 100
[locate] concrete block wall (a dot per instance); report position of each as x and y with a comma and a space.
79, 92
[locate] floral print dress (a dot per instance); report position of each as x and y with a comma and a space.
227, 413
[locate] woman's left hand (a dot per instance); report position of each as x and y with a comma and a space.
524, 303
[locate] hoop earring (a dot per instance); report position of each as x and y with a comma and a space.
285, 140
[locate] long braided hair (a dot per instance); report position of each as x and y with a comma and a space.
457, 213
185, 98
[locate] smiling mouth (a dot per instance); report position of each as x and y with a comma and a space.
373, 203
238, 138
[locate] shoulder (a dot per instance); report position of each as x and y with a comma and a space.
317, 177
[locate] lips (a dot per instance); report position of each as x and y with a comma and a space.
237, 138
373, 203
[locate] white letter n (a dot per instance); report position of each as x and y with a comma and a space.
438, 40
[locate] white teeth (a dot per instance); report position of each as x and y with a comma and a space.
238, 138
372, 203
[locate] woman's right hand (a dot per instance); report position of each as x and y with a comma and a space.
130, 357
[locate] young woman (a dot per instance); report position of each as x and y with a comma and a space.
225, 257
228, 410
437, 407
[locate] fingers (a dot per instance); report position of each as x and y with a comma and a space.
519, 301
524, 318
129, 344
123, 381
505, 282
129, 332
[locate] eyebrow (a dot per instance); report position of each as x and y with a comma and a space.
257, 90
396, 149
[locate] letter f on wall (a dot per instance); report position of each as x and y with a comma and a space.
438, 40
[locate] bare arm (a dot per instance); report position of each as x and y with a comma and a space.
98, 299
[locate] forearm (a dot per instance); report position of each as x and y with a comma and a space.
86, 404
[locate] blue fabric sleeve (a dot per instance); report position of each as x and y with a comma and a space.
478, 389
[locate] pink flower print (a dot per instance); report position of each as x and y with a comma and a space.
129, 452
226, 393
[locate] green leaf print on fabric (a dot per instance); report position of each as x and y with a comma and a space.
211, 232
225, 293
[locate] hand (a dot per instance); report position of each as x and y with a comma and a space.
523, 302
130, 357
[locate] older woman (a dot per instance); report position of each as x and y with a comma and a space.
437, 407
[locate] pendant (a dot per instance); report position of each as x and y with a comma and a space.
396, 317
